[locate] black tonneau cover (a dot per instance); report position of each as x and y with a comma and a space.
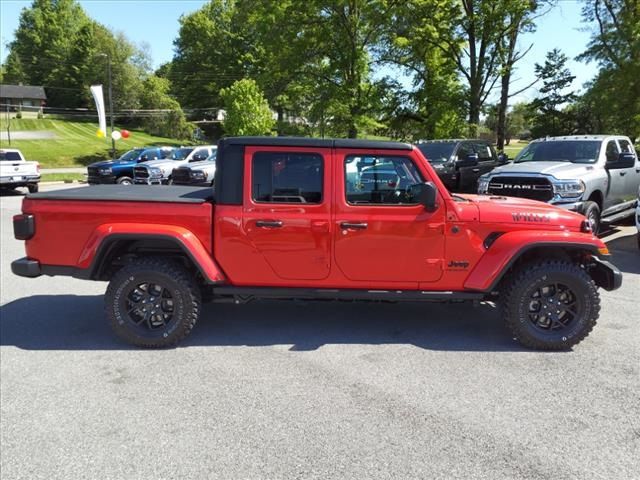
131, 193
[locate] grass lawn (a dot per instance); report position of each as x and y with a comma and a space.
62, 177
514, 148
76, 143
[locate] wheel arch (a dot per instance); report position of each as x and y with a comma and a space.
114, 245
598, 197
506, 254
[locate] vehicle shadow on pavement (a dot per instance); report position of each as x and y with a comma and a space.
625, 254
69, 322
5, 192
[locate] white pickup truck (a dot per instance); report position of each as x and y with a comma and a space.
15, 171
596, 175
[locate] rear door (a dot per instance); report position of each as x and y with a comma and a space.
381, 234
632, 177
286, 213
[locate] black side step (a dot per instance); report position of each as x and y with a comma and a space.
245, 294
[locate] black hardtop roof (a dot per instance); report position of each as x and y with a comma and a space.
314, 143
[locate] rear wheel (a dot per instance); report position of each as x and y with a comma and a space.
33, 188
152, 302
124, 181
551, 305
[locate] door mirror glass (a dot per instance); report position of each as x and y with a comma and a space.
426, 195
624, 160
503, 158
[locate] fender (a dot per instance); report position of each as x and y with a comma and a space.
510, 246
103, 235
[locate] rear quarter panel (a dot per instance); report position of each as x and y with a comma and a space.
65, 228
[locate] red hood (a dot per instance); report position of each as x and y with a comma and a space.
523, 212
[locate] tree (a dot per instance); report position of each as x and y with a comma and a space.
247, 111
614, 95
556, 79
435, 105
167, 119
519, 19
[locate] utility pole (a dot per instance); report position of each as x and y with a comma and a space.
8, 126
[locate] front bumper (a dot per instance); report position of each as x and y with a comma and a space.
150, 181
25, 267
605, 274
101, 179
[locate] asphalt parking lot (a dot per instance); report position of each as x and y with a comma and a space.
312, 390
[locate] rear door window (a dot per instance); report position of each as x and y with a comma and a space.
625, 146
484, 152
287, 177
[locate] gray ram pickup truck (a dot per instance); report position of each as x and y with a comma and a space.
596, 175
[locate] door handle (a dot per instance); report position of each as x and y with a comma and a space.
269, 223
622, 174
475, 170
354, 226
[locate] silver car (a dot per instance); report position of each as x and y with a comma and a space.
158, 172
197, 173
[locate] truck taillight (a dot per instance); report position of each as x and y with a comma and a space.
24, 226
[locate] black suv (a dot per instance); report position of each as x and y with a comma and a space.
459, 163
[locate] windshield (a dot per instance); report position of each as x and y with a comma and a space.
437, 152
11, 156
574, 151
180, 153
131, 155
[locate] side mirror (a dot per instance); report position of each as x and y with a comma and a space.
426, 195
144, 158
624, 160
470, 161
503, 158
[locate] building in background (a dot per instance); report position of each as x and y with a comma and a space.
18, 97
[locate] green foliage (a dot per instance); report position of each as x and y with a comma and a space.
612, 101
170, 121
247, 111
556, 79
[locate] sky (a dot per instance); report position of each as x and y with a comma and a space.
155, 22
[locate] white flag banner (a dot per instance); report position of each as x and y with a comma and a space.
96, 91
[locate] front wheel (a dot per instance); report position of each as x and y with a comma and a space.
152, 302
592, 212
124, 181
550, 305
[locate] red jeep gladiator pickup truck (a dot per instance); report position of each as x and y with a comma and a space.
317, 219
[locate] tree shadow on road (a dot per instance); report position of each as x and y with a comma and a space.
69, 322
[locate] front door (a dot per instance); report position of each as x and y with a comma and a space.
381, 234
286, 213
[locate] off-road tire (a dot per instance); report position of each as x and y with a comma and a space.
171, 276
591, 210
124, 181
516, 303
33, 188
